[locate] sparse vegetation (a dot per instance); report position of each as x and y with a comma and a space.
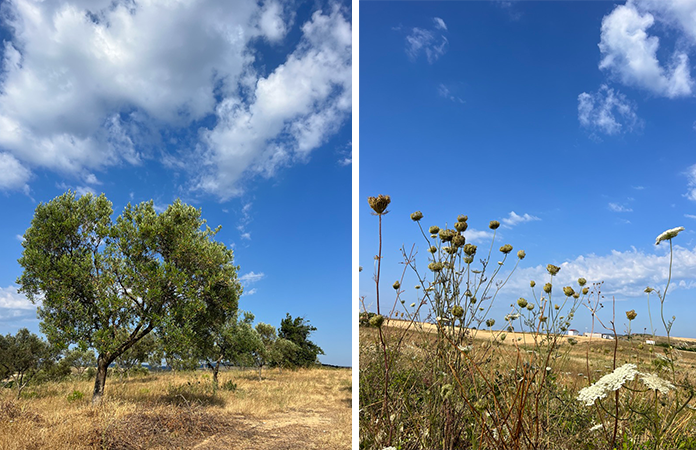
440, 372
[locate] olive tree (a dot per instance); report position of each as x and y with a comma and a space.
22, 356
105, 284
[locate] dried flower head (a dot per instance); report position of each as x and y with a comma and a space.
585, 290
530, 306
435, 266
432, 249
648, 289
468, 259
582, 282
447, 235
379, 204
461, 226
521, 254
553, 270
568, 291
630, 315
450, 250
556, 307
547, 288
462, 218
472, 300
669, 234
507, 248
434, 229
532, 283
458, 240
457, 311
522, 302
416, 216
576, 296
494, 225
413, 305
490, 322
377, 320
396, 285
470, 249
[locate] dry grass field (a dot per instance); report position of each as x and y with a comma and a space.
309, 409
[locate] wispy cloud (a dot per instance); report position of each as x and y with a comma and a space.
346, 155
244, 221
607, 111
515, 219
473, 236
444, 92
619, 208
691, 182
431, 42
251, 277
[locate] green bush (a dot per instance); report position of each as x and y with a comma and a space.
75, 396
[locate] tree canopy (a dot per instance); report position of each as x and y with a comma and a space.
297, 331
105, 284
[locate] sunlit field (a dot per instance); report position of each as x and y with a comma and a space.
308, 408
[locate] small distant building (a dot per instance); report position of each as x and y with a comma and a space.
593, 335
650, 342
608, 336
573, 333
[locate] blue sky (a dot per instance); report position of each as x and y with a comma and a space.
242, 109
571, 123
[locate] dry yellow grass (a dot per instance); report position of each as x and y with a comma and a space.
293, 409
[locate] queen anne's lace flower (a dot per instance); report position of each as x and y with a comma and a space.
652, 381
608, 383
669, 234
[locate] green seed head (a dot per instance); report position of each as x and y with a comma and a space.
547, 288
532, 283
585, 290
507, 248
396, 285
490, 322
494, 225
582, 282
568, 291
416, 216
576, 296
432, 249
379, 204
377, 321
457, 311
522, 302
530, 306
630, 315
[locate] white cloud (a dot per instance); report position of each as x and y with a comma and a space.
630, 53
619, 208
624, 273
444, 91
690, 216
14, 305
294, 109
88, 85
607, 111
439, 23
251, 277
249, 292
691, 183
431, 42
515, 219
472, 236
13, 175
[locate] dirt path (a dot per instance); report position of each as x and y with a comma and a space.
305, 429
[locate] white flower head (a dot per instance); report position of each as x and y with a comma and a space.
652, 381
669, 234
608, 383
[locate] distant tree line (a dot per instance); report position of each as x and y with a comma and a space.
146, 287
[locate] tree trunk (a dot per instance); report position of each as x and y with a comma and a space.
100, 381
260, 367
216, 368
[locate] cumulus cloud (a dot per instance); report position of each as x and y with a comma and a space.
89, 85
631, 53
251, 277
625, 273
607, 111
430, 42
515, 219
294, 109
473, 236
15, 305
